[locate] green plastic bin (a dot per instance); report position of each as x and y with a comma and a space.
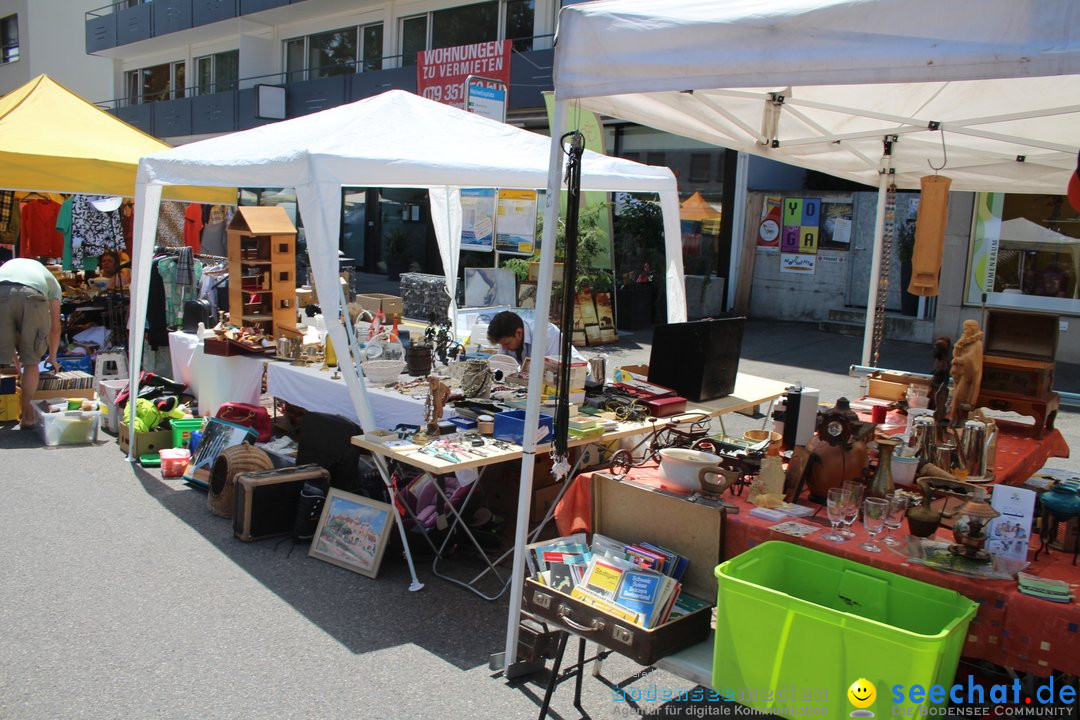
796, 627
182, 429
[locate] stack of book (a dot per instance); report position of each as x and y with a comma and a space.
1052, 590
67, 380
638, 583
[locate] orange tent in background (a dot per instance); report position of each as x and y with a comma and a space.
697, 208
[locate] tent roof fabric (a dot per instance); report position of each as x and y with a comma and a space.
52, 140
395, 138
696, 207
820, 83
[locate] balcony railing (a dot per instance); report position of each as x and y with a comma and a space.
126, 22
234, 107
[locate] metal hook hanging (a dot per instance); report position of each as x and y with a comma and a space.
944, 155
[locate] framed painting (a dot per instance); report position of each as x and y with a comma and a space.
352, 532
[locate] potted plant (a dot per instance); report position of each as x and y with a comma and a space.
639, 233
397, 252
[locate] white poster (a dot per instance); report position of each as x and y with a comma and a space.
1009, 534
515, 223
801, 263
478, 219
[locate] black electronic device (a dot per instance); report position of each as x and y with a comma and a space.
698, 360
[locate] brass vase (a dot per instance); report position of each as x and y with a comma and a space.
882, 482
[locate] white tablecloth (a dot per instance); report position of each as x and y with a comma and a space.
214, 379
313, 389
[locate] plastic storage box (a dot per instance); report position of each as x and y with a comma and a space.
510, 426
788, 616
174, 461
68, 427
181, 430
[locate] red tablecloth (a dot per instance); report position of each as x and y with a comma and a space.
1011, 629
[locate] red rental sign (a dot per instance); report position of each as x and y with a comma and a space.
441, 74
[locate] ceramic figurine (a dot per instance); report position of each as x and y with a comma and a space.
966, 371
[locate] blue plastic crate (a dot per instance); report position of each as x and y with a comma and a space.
510, 426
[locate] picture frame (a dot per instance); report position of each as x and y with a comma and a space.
218, 436
353, 532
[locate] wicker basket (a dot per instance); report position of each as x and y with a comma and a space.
229, 464
380, 372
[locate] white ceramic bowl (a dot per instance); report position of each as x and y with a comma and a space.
680, 468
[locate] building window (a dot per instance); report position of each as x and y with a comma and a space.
467, 25
157, 83
216, 73
655, 158
334, 52
699, 167
9, 39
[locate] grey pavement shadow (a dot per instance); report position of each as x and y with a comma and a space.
362, 614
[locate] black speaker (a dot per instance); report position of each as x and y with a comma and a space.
699, 360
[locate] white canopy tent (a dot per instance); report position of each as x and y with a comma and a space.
392, 139
869, 90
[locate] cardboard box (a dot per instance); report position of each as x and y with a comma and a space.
633, 372
391, 305
146, 443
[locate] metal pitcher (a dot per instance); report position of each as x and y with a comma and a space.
944, 456
288, 347
923, 437
972, 448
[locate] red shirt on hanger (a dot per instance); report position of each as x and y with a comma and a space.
39, 237
193, 226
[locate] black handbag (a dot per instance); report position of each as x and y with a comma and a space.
195, 312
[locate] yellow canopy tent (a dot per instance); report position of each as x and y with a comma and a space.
51, 140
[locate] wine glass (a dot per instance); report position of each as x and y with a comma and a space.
855, 494
836, 504
874, 511
894, 517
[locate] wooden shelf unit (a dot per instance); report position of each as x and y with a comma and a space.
262, 244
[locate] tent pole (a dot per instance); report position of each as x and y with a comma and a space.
147, 205
875, 267
536, 360
738, 225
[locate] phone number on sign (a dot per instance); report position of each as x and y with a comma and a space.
445, 93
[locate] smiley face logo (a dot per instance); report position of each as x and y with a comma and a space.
862, 694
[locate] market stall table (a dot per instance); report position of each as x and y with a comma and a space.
215, 379
310, 387
1011, 629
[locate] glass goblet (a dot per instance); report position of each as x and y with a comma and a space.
836, 504
894, 518
874, 511
855, 494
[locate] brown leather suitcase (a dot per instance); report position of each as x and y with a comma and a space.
266, 501
632, 513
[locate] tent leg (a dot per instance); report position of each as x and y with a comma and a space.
875, 268
738, 225
532, 412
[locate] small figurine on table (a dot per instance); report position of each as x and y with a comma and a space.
438, 395
966, 371
939, 379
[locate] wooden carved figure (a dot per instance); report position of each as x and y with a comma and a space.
967, 367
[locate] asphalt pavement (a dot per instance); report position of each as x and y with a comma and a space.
122, 596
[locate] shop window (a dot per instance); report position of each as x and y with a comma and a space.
655, 158
157, 83
219, 72
9, 39
413, 38
334, 52
1025, 253
699, 167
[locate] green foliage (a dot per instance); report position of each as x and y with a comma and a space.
519, 266
397, 244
